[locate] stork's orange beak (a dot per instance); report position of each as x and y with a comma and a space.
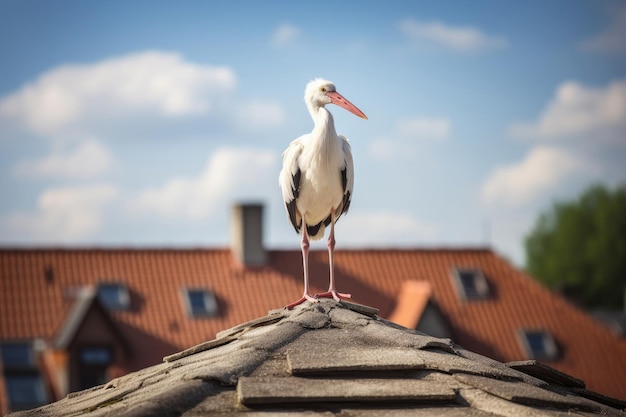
341, 101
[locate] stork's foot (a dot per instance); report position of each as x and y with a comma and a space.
305, 297
333, 294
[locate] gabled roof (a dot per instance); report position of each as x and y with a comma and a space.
38, 287
86, 302
333, 358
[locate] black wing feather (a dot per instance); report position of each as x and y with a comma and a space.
346, 194
291, 205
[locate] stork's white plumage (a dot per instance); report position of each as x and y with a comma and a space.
317, 178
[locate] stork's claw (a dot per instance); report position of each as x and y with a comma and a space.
305, 297
333, 294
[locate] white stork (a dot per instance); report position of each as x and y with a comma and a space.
317, 178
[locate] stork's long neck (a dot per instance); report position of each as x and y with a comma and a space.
324, 135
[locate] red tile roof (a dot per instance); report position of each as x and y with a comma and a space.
34, 303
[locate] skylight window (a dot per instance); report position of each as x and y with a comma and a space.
114, 296
471, 284
539, 344
200, 302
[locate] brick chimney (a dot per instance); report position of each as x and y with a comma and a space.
247, 234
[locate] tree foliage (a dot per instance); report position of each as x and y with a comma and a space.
580, 247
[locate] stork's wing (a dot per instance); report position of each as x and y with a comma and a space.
347, 175
289, 181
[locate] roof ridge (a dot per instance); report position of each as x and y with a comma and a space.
149, 248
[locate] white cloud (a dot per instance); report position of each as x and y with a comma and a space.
87, 160
612, 39
462, 39
143, 82
65, 213
383, 228
230, 174
284, 35
577, 109
542, 169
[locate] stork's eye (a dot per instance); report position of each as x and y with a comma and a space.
323, 89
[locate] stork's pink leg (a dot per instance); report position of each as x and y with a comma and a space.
304, 244
332, 292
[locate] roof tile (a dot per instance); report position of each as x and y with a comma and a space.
546, 373
254, 390
522, 393
496, 406
309, 362
453, 363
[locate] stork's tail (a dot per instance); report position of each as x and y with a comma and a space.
316, 231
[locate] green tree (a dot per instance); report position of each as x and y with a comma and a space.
580, 247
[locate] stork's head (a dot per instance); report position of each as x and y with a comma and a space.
320, 92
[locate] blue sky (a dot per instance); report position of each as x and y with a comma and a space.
141, 123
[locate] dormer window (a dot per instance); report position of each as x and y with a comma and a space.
471, 284
23, 381
94, 361
114, 297
200, 302
538, 344
19, 355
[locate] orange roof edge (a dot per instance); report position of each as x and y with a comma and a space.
411, 303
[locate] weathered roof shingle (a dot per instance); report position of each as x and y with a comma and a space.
329, 359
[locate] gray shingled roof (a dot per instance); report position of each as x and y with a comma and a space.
330, 359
